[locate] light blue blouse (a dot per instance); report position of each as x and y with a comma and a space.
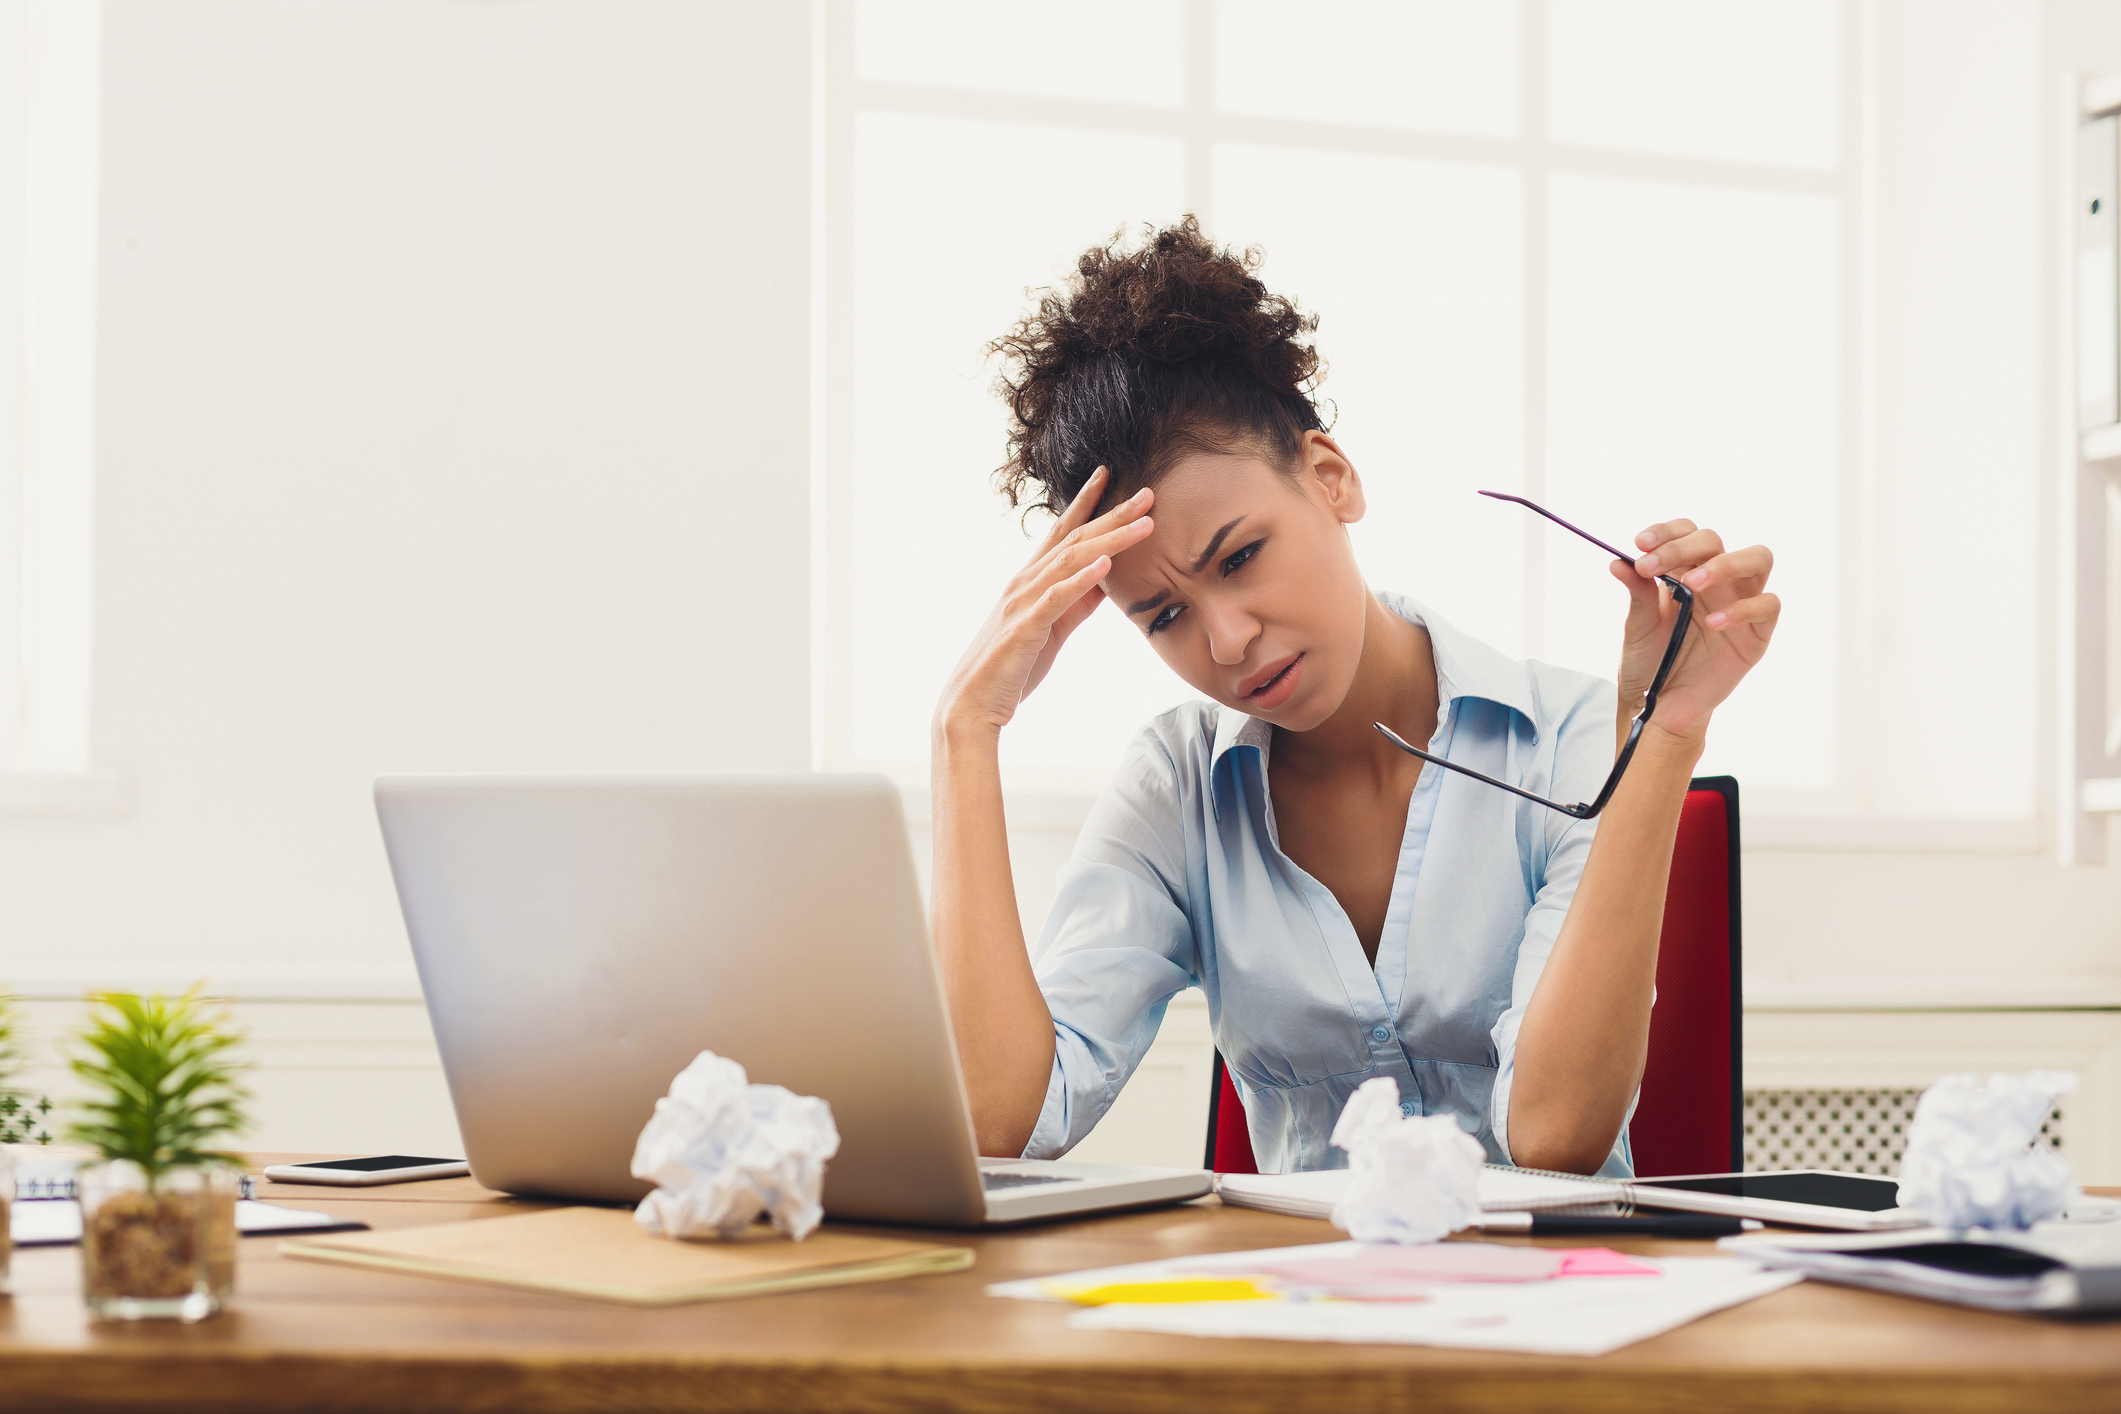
1178, 880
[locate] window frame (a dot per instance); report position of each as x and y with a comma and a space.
1774, 814
47, 548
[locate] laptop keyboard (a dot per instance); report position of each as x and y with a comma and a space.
992, 1181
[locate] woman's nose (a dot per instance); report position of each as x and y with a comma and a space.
1230, 634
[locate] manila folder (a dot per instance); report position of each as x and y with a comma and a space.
603, 1253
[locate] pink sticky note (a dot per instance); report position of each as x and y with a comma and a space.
1375, 1267
1601, 1262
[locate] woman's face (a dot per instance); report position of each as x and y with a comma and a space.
1248, 587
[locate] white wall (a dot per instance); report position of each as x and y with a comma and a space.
453, 411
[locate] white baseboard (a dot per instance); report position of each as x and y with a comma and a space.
359, 1072
70, 979
325, 1077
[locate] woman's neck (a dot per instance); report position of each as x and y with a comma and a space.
1395, 683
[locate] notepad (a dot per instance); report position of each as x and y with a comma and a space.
602, 1253
56, 1222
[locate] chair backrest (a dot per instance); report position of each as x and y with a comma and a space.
1690, 1118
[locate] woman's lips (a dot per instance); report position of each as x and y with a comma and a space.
1279, 686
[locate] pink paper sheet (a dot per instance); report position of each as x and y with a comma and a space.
1438, 1261
1401, 1273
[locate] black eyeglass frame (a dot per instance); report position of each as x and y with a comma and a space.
1681, 595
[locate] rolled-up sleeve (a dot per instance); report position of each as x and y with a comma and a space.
1117, 946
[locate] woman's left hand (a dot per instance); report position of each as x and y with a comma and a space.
1734, 616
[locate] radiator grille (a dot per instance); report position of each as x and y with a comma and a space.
1855, 1131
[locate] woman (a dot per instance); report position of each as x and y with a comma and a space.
1348, 912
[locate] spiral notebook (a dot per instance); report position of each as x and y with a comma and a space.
1502, 1190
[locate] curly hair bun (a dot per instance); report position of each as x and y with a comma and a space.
1148, 354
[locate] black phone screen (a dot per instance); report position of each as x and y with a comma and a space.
1826, 1190
378, 1163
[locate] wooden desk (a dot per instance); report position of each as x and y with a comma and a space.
306, 1336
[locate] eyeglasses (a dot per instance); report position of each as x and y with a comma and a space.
1681, 595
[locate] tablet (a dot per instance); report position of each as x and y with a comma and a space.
1849, 1202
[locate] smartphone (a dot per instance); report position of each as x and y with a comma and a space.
380, 1168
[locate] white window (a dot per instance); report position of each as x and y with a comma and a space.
1606, 253
49, 102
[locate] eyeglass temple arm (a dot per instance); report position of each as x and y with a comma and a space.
1684, 597
1538, 509
1581, 812
1680, 593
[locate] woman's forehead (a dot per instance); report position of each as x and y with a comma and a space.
1213, 487
1202, 512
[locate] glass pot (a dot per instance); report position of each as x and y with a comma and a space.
164, 1250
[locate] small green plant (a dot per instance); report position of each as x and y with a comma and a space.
162, 1080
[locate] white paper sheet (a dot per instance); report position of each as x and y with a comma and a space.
1567, 1316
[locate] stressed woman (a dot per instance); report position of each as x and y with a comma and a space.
1349, 911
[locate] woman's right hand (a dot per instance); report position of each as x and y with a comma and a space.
1045, 602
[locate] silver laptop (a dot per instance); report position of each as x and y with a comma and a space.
581, 938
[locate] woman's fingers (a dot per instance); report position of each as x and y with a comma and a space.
1752, 564
1058, 545
1072, 617
1762, 610
1659, 533
1078, 510
1060, 596
1675, 555
1101, 537
1045, 601
1736, 575
1645, 600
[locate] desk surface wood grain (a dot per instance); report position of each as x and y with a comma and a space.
306, 1336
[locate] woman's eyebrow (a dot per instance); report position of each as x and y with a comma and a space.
1214, 543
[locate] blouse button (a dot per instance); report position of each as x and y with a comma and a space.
1380, 1033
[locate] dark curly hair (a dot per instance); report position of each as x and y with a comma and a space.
1147, 355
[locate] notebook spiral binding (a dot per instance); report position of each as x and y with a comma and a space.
37, 1190
1553, 1173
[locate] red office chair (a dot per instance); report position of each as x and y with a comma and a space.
1690, 1118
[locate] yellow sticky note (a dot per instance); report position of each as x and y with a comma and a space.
1159, 1292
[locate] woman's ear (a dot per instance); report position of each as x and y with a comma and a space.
1329, 475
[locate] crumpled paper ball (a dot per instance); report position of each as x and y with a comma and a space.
722, 1151
1974, 1156
1412, 1178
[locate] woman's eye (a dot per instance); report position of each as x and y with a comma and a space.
1237, 561
1163, 620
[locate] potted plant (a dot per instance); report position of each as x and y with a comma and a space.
158, 1214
